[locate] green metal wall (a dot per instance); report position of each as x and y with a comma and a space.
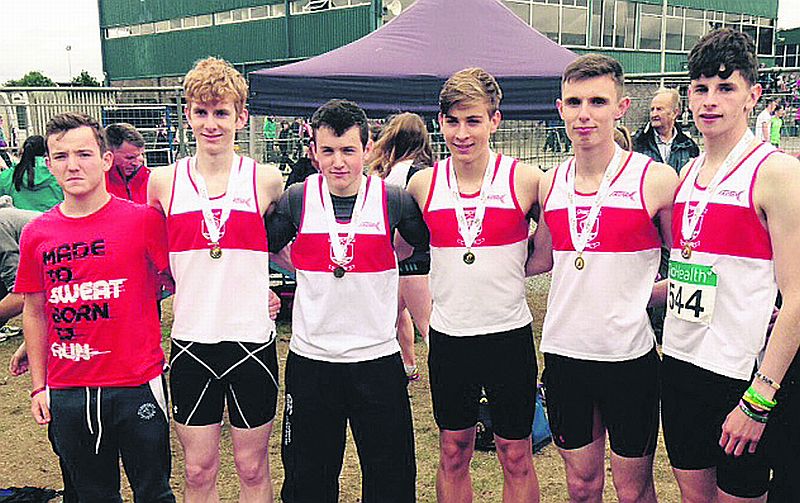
643, 62
790, 36
762, 8
251, 44
126, 12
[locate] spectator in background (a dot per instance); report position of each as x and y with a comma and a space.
30, 184
662, 138
775, 126
270, 133
127, 178
622, 137
304, 167
4, 146
285, 145
764, 119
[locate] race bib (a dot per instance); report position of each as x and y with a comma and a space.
692, 292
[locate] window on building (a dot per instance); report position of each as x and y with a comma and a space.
135, 30
204, 20
694, 28
608, 23
545, 18
118, 32
522, 10
147, 28
573, 25
674, 33
190, 22
176, 24
240, 14
223, 17
278, 10
259, 12
649, 27
625, 25
597, 23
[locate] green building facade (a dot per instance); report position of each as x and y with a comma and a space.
157, 41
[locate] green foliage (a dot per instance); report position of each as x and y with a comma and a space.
32, 79
85, 80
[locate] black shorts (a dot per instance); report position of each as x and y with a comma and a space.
694, 405
782, 439
626, 394
204, 376
321, 399
503, 363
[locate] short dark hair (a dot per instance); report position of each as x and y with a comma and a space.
122, 132
590, 66
68, 121
341, 115
721, 52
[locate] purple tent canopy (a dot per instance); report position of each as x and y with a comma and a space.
402, 65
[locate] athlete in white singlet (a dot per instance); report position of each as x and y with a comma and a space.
223, 341
598, 235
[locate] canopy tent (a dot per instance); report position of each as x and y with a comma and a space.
402, 65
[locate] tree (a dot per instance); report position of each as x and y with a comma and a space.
32, 79
85, 80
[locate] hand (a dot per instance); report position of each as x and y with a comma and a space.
274, 305
738, 431
19, 361
39, 408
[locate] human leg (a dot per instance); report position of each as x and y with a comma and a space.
510, 375
585, 470
91, 460
200, 446
143, 431
453, 482
314, 427
380, 417
251, 457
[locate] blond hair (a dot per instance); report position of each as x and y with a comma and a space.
213, 79
404, 137
468, 86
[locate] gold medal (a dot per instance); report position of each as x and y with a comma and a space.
338, 272
215, 251
686, 253
579, 263
469, 258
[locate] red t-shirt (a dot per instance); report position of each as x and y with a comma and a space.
99, 276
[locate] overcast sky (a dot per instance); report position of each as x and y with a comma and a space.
35, 34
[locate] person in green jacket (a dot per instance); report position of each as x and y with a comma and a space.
776, 125
30, 184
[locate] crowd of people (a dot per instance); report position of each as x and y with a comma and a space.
377, 230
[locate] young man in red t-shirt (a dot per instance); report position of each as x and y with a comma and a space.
91, 325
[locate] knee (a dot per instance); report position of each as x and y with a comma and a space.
202, 473
585, 487
516, 457
633, 493
251, 471
455, 456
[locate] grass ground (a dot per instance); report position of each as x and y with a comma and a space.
26, 457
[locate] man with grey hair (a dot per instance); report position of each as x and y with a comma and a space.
662, 139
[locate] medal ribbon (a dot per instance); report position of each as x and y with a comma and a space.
689, 224
469, 232
339, 245
213, 225
581, 239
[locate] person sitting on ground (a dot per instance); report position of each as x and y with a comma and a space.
30, 183
127, 178
403, 149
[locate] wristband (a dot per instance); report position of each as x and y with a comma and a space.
758, 399
752, 415
37, 391
767, 380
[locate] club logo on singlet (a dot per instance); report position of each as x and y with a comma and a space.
624, 194
693, 241
732, 194
204, 229
348, 255
581, 215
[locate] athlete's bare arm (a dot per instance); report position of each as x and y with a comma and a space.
269, 186
540, 258
526, 186
420, 185
159, 188
776, 195
660, 183
34, 328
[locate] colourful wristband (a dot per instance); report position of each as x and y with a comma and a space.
758, 399
752, 415
37, 391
